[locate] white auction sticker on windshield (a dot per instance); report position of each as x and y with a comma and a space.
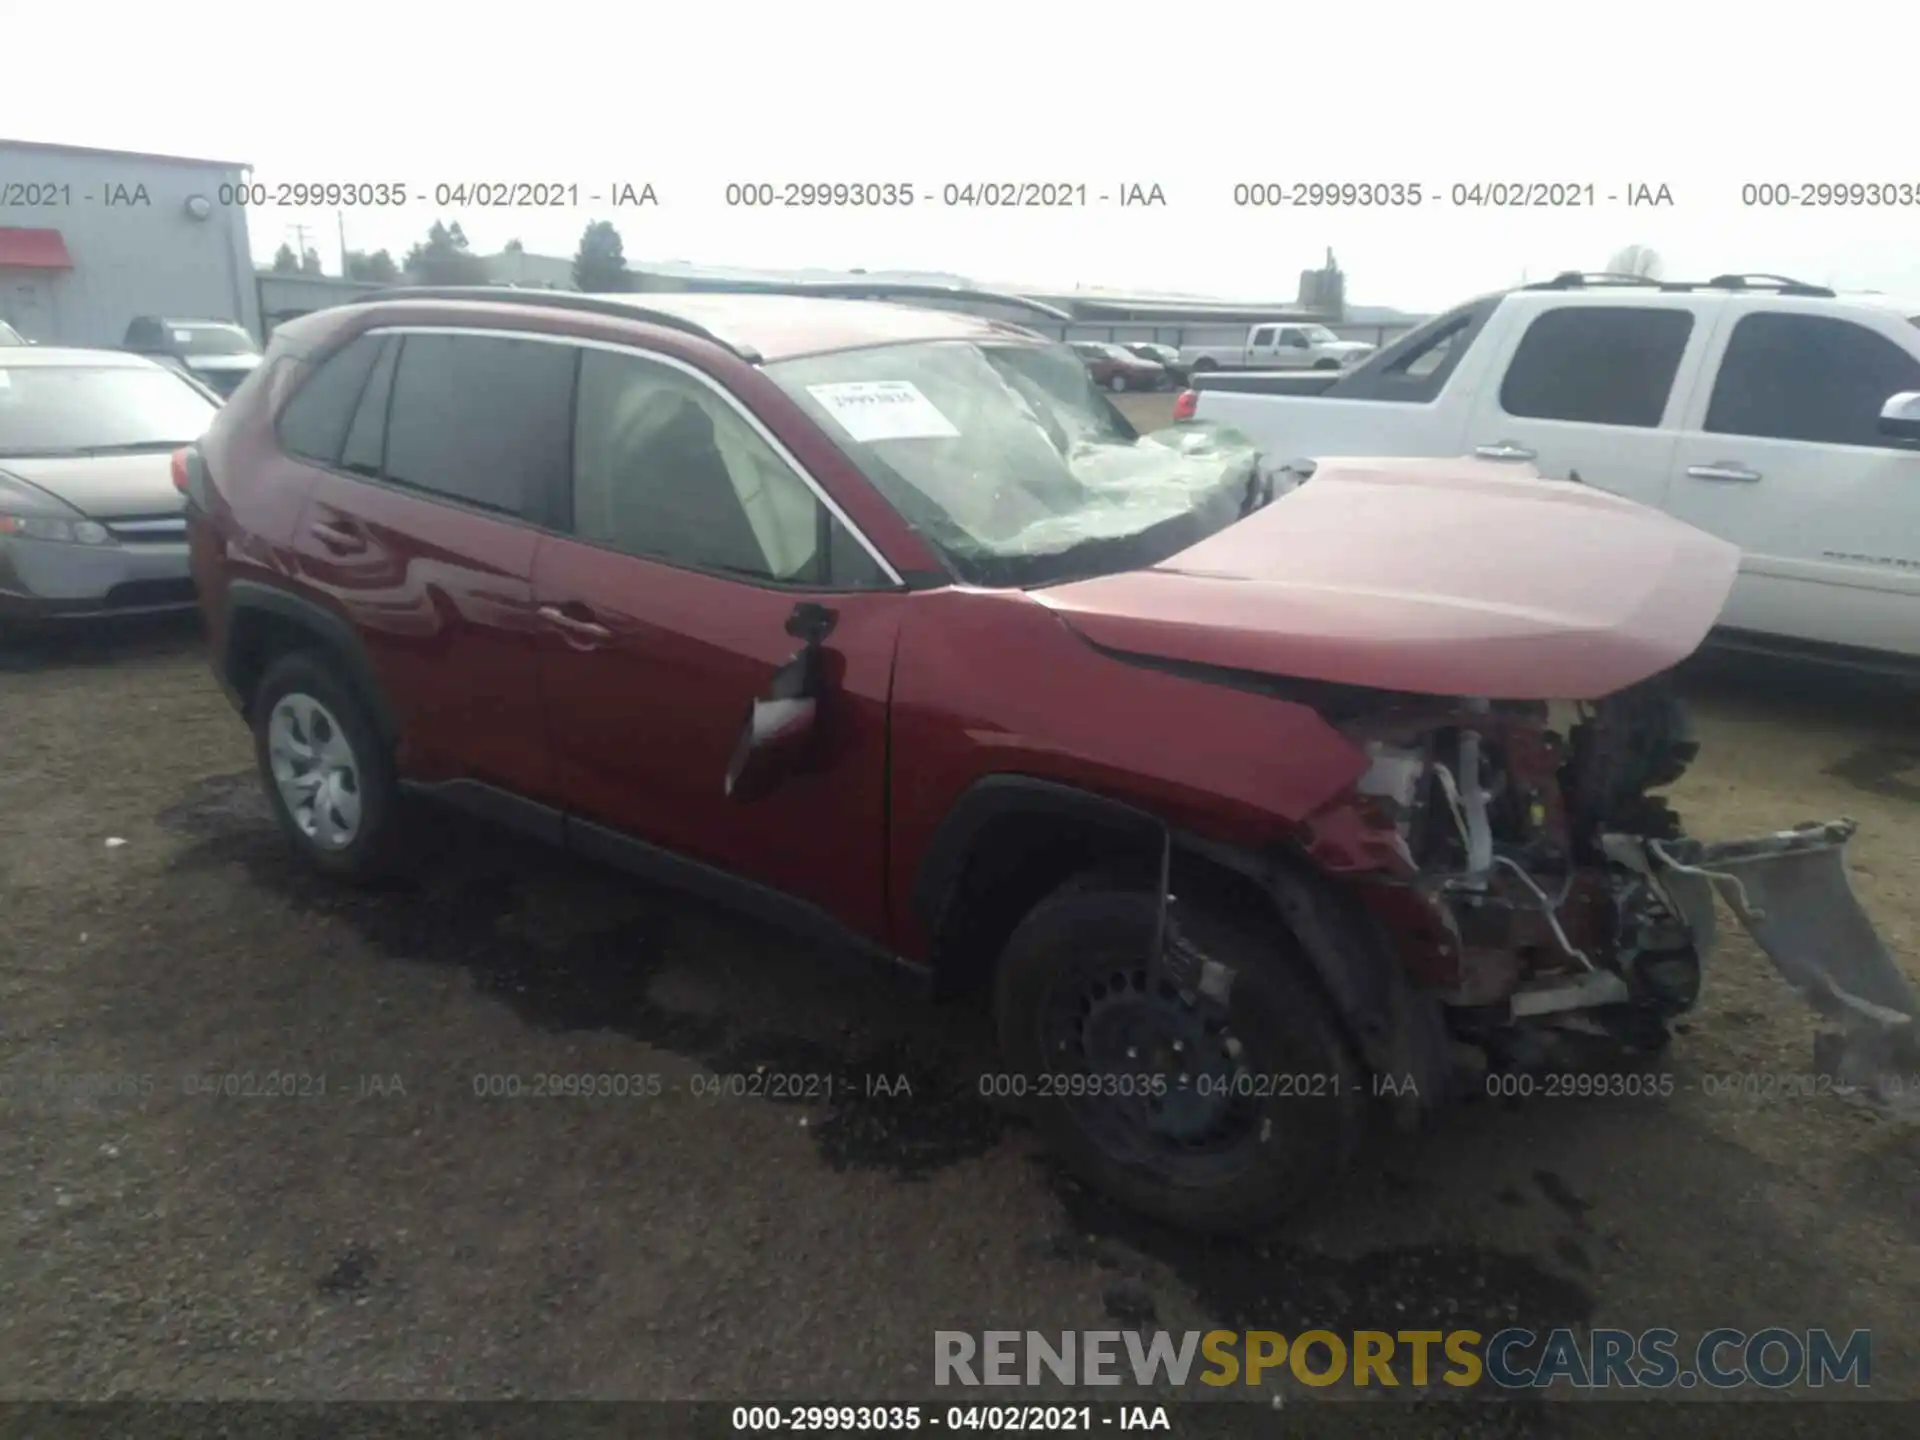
883, 410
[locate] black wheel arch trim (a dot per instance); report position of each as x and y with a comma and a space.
1393, 1028
327, 627
993, 797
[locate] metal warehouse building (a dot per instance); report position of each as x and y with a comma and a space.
91, 238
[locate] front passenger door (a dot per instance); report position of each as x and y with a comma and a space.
692, 539
1788, 463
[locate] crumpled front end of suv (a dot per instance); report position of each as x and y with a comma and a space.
1534, 885
1496, 647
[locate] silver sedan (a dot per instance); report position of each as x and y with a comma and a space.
90, 521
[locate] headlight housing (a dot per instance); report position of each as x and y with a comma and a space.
48, 527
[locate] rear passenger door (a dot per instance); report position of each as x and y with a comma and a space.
421, 528
692, 536
1784, 457
1589, 392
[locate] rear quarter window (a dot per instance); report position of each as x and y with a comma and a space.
313, 425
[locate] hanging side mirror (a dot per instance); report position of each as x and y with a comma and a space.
777, 739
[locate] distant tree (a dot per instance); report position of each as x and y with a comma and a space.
285, 262
1640, 260
444, 258
310, 263
514, 247
600, 266
377, 266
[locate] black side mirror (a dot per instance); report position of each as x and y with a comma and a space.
1900, 417
781, 725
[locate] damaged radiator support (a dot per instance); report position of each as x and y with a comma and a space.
1791, 892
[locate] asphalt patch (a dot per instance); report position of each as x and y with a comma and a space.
883, 1106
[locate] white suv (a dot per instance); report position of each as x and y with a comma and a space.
1780, 416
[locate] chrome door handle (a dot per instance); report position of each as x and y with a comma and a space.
573, 625
1723, 470
1505, 450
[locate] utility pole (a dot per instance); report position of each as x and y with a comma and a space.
340, 218
299, 244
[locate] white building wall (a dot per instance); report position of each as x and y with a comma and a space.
151, 258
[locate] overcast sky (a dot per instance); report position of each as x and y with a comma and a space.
1194, 97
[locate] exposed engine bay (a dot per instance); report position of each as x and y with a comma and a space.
1535, 886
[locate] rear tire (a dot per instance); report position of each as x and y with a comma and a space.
328, 777
1271, 1103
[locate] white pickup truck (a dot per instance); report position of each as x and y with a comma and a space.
1278, 347
1776, 415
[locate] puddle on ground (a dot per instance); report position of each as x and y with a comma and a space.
890, 1108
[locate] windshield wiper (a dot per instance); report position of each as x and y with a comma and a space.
131, 447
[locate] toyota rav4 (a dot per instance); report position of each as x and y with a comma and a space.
1250, 792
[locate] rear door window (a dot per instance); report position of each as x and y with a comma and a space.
1597, 365
314, 423
1808, 377
483, 420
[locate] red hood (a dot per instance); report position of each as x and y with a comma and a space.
1440, 577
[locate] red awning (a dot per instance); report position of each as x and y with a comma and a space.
34, 249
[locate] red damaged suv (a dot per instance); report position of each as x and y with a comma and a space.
1254, 791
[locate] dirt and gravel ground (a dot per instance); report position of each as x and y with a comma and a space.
398, 1235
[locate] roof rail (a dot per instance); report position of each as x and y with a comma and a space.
1581, 279
558, 300
906, 290
1786, 285
1780, 284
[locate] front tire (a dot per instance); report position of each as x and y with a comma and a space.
329, 780
1261, 1098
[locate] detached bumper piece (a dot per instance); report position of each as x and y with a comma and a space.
1791, 892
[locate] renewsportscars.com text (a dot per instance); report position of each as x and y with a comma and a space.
1513, 1359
